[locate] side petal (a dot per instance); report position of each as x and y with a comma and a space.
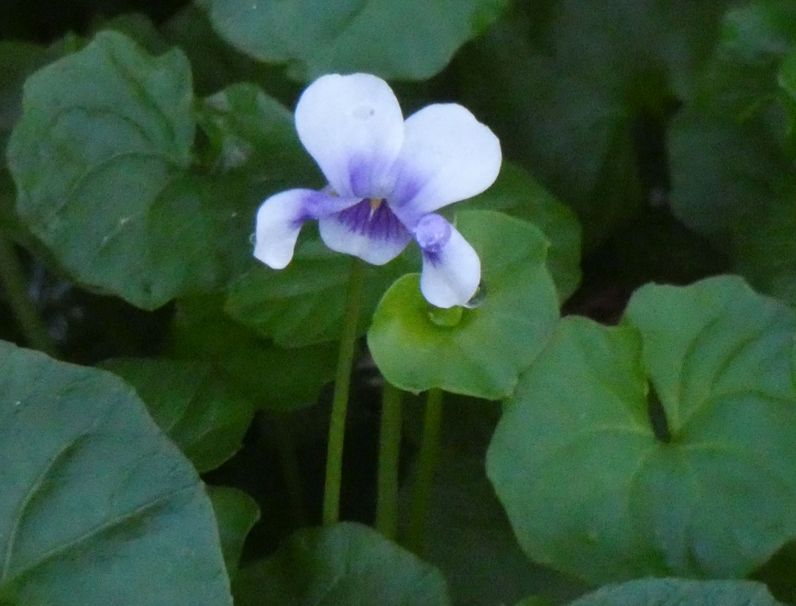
353, 127
367, 230
447, 156
451, 267
280, 217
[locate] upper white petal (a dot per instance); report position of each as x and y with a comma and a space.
451, 273
447, 156
352, 125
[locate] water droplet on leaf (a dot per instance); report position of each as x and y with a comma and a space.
478, 298
447, 318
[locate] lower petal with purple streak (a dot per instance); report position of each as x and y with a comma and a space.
368, 230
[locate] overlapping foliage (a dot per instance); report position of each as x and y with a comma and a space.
655, 458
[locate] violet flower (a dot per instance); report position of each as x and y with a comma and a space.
387, 176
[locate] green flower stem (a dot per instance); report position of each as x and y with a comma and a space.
345, 358
426, 466
389, 457
12, 280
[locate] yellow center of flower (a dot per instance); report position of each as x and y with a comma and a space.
374, 205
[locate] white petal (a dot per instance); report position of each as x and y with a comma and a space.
353, 127
451, 267
373, 235
280, 217
447, 156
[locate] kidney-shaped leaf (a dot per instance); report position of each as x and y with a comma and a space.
346, 565
412, 39
97, 506
665, 445
676, 592
482, 351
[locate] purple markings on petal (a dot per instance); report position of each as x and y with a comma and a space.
368, 177
432, 233
368, 230
359, 175
403, 192
374, 220
317, 204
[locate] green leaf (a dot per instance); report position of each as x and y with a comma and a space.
675, 592
579, 93
137, 27
17, 61
137, 111
346, 565
304, 303
741, 79
518, 194
731, 149
269, 376
662, 446
480, 351
236, 514
723, 174
411, 40
192, 404
253, 134
464, 513
215, 63
103, 160
97, 506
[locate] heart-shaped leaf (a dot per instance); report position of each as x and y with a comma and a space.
192, 404
480, 351
104, 162
409, 40
97, 506
345, 565
661, 446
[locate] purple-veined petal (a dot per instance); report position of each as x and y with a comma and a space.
280, 217
367, 230
353, 127
451, 267
447, 156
